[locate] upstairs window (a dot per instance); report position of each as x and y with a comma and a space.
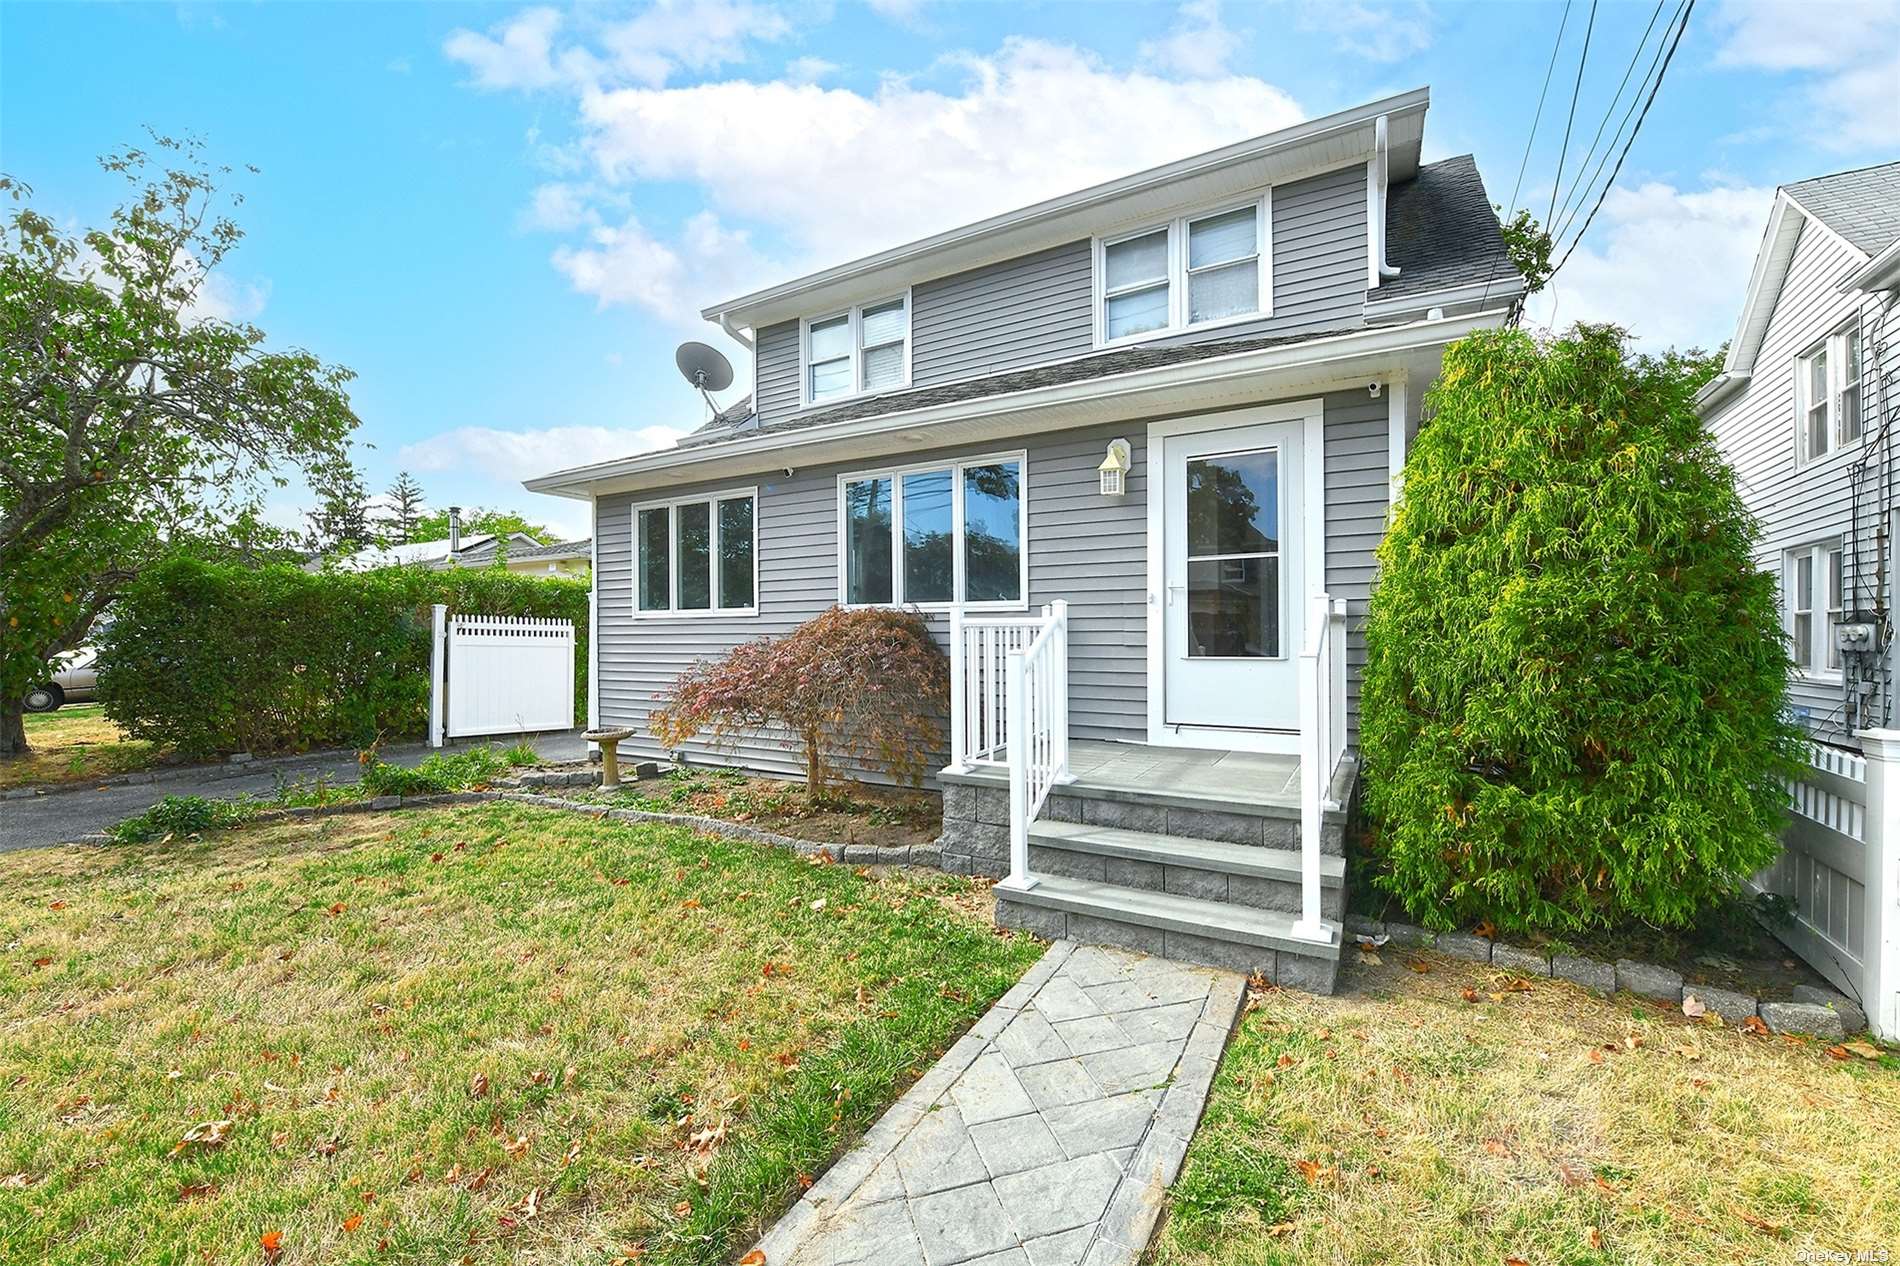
1827, 391
697, 555
865, 349
934, 535
1194, 271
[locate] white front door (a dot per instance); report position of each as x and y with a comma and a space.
1232, 581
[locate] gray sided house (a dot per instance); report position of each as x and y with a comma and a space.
1131, 452
1804, 410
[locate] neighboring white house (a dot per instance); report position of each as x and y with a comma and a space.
1804, 410
518, 553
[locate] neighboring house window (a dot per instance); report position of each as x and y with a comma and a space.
865, 349
933, 535
1812, 598
1193, 271
696, 555
1827, 379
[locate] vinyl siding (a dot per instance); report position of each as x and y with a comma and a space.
1040, 308
1805, 504
1087, 549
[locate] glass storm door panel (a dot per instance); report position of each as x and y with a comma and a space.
1231, 550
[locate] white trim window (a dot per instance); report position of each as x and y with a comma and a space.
864, 349
1812, 599
1195, 271
697, 556
1827, 388
932, 535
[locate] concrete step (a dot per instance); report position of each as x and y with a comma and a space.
1180, 850
1211, 932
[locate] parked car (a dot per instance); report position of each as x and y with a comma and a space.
75, 681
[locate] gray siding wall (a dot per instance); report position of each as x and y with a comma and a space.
1811, 503
1087, 549
1039, 308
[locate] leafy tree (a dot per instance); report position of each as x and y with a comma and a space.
342, 522
134, 424
434, 526
1573, 704
1528, 246
405, 508
862, 687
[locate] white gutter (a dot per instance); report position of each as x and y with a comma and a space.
1881, 273
1210, 371
1450, 297
736, 333
1718, 390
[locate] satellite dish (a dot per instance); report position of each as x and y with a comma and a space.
704, 366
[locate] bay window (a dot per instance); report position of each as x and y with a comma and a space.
1194, 271
696, 555
864, 349
1827, 390
933, 535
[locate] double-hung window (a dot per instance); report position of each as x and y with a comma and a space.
933, 535
1827, 387
697, 555
864, 349
1812, 600
1193, 271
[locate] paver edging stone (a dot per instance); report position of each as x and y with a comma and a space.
1820, 1012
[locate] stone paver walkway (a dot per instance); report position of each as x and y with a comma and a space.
1047, 1136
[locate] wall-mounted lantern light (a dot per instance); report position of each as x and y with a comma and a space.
1114, 468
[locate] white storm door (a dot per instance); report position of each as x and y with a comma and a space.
1233, 573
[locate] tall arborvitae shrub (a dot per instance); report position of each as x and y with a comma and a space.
1573, 705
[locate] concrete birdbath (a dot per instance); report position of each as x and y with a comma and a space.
609, 741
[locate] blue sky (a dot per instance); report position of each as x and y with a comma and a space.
505, 217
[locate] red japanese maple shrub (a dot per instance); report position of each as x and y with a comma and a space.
866, 688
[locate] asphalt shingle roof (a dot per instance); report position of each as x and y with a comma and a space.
1440, 231
1862, 205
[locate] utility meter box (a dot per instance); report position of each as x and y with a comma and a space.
1856, 638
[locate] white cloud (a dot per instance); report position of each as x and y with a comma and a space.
1671, 265
1382, 33
509, 455
518, 55
222, 298
840, 173
625, 264
809, 70
558, 207
1849, 51
1199, 46
648, 48
905, 11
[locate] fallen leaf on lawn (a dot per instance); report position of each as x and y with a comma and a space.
15, 1181
1596, 1238
818, 905
206, 1134
193, 1191
629, 1256
684, 1209
1604, 1185
573, 1153
42, 961
1496, 1148
1756, 1025
1689, 1052
1865, 1050
1631, 1041
1515, 1261
707, 1140
1369, 958
1487, 929
478, 1086
337, 909
56, 905
1286, 1060
755, 1258
691, 903
1760, 1224
272, 1243
1314, 1172
540, 1077
1279, 1229
1838, 1052
1692, 1006
517, 1146
530, 1205
352, 1222
1418, 965
1469, 995
1571, 1177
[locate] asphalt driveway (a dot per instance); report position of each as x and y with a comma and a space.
66, 816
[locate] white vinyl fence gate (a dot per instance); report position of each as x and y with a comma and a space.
493, 674
1840, 865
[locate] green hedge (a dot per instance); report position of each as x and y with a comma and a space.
1573, 706
216, 657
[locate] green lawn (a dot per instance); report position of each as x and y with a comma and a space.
74, 744
1458, 1115
485, 1034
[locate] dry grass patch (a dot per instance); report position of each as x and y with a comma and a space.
75, 744
1460, 1115
482, 1035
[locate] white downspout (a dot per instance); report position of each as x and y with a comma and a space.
736, 334
1376, 202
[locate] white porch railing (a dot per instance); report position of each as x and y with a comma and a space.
1322, 687
1009, 706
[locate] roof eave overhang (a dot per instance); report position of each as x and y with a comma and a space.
1881, 273
1718, 391
1451, 301
1316, 145
1214, 382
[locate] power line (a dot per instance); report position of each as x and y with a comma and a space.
1576, 91
1683, 25
1574, 200
1523, 163
1583, 190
